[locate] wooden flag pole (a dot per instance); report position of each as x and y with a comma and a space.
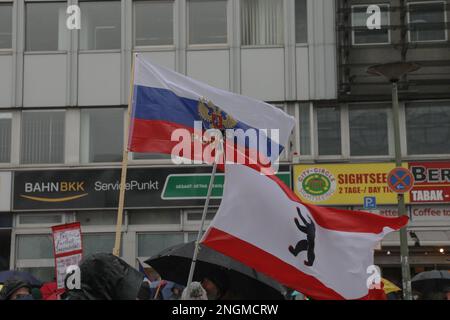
219, 152
123, 178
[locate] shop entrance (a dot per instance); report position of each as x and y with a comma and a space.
5, 248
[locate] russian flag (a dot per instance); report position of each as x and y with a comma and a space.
164, 101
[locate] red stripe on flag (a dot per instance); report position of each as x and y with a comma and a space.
268, 264
343, 220
155, 136
274, 267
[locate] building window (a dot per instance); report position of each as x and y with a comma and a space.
153, 23
98, 243
46, 26
362, 34
207, 21
150, 244
155, 217
305, 129
5, 26
427, 21
100, 25
329, 131
301, 21
368, 131
101, 135
34, 246
42, 137
428, 129
262, 22
5, 137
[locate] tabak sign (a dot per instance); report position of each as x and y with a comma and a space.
432, 182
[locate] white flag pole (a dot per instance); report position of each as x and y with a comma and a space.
218, 153
116, 250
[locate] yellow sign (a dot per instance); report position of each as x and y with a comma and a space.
344, 184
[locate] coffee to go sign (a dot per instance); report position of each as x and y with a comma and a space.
349, 184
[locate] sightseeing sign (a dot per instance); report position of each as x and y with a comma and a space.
344, 184
356, 183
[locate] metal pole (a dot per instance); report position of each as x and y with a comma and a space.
205, 210
406, 276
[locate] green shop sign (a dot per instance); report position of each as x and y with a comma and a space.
195, 186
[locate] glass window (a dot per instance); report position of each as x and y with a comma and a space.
40, 219
207, 21
101, 135
98, 242
329, 131
5, 137
44, 274
153, 23
364, 35
427, 21
46, 26
42, 137
35, 246
152, 243
100, 25
5, 26
95, 218
301, 21
428, 129
262, 22
305, 132
368, 131
161, 216
197, 216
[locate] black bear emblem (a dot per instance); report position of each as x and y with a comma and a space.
310, 230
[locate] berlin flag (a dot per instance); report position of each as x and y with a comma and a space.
164, 101
322, 252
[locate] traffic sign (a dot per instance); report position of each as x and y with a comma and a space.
400, 180
370, 202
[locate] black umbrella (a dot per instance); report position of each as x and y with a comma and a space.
431, 281
243, 282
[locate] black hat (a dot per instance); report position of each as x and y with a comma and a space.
12, 285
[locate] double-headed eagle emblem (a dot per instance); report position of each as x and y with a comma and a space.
213, 117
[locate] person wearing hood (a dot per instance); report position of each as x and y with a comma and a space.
106, 277
16, 289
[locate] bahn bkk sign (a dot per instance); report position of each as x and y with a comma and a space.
154, 187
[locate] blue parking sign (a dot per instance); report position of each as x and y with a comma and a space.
370, 202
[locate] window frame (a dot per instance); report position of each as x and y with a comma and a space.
158, 47
425, 3
269, 46
388, 25
64, 111
390, 132
200, 46
25, 20
343, 133
404, 133
122, 26
6, 112
84, 145
11, 3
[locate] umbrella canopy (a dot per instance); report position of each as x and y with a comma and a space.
9, 274
428, 281
243, 282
